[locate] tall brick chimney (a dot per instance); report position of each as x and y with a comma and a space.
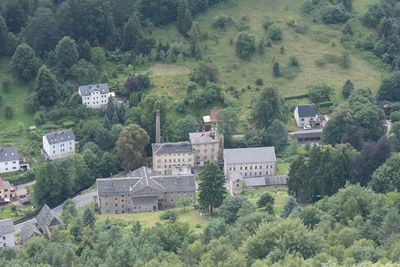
158, 130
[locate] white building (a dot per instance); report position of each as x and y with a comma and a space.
305, 115
9, 159
59, 144
96, 95
7, 233
250, 162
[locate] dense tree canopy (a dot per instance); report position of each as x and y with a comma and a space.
23, 63
269, 107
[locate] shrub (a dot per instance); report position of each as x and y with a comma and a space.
5, 84
320, 93
267, 22
293, 61
170, 215
301, 28
276, 70
245, 45
275, 32
144, 81
259, 81
203, 73
269, 43
8, 112
221, 21
395, 116
333, 14
325, 104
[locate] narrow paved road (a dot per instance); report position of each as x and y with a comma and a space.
80, 201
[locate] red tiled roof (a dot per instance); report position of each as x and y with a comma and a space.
213, 115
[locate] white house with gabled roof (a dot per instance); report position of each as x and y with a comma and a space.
7, 233
95, 95
59, 144
9, 159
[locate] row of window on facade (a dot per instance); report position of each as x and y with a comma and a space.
6, 163
62, 150
94, 103
250, 168
205, 150
176, 165
63, 145
175, 160
205, 157
14, 168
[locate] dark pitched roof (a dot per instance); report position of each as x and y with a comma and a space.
6, 226
47, 218
86, 90
9, 153
141, 200
130, 185
28, 230
306, 110
171, 148
60, 136
306, 134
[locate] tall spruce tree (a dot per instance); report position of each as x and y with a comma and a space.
132, 33
184, 18
66, 54
3, 36
268, 108
212, 190
46, 87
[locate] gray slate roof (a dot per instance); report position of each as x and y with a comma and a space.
130, 185
6, 226
86, 90
28, 230
4, 184
60, 136
306, 110
250, 155
203, 138
171, 148
142, 170
9, 153
234, 176
47, 218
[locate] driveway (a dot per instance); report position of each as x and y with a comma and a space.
80, 200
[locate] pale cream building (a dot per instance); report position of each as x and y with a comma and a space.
205, 146
171, 156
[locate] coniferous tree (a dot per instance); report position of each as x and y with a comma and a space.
347, 89
88, 217
3, 36
268, 108
14, 15
212, 190
184, 18
23, 63
132, 33
66, 54
46, 87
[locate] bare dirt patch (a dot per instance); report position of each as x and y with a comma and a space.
166, 69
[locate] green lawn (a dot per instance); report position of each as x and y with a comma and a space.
319, 41
149, 219
279, 193
21, 211
15, 97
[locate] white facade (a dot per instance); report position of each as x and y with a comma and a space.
256, 169
7, 233
60, 144
9, 166
95, 96
96, 99
250, 162
9, 159
7, 240
303, 121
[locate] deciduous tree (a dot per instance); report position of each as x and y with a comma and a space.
23, 63
131, 145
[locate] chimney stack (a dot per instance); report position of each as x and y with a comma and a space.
158, 130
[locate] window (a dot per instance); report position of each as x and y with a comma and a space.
241, 168
245, 168
255, 167
116, 204
237, 185
172, 200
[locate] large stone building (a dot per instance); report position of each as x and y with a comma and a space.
250, 162
95, 95
7, 233
9, 159
205, 146
59, 144
144, 190
170, 156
